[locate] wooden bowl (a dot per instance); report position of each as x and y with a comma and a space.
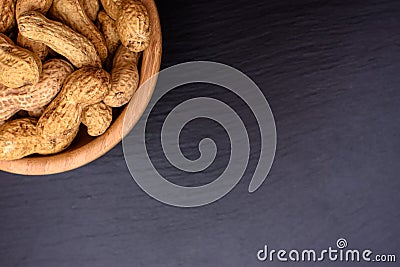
85, 149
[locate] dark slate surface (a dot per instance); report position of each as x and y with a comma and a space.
330, 70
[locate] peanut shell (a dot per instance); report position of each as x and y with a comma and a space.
41, 6
97, 118
109, 30
38, 48
91, 8
59, 37
112, 7
18, 66
7, 19
33, 97
72, 13
60, 122
124, 77
18, 139
133, 26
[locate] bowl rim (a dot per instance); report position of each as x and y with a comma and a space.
78, 157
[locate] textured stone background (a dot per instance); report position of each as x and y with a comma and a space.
330, 71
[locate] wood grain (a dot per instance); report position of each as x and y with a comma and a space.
86, 150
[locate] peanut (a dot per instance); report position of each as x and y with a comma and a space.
42, 107
7, 20
133, 26
59, 37
33, 97
60, 122
124, 77
18, 139
108, 28
133, 22
40, 49
42, 6
97, 118
112, 7
18, 66
71, 12
91, 8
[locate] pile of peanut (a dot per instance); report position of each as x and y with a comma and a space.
64, 63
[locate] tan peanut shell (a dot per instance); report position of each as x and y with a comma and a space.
91, 8
18, 139
112, 7
124, 77
38, 48
97, 118
18, 66
59, 37
7, 19
33, 97
109, 30
60, 122
42, 6
133, 26
72, 13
